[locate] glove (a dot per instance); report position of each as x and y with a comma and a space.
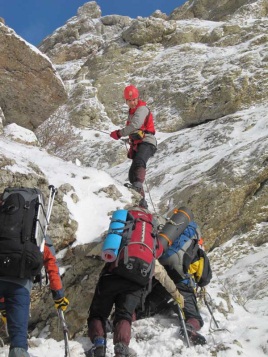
3, 316
179, 300
61, 303
202, 293
115, 134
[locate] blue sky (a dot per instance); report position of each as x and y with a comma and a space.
35, 19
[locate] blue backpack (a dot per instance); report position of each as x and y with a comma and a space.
183, 250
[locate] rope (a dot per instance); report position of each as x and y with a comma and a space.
149, 193
125, 142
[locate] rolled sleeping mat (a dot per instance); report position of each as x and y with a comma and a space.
175, 226
113, 239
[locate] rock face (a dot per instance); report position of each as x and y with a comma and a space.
2, 121
217, 10
30, 89
189, 71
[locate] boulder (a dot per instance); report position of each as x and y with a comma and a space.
30, 88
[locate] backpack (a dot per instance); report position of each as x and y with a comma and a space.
22, 231
183, 250
200, 269
139, 248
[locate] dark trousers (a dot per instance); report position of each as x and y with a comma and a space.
140, 158
157, 302
125, 295
17, 305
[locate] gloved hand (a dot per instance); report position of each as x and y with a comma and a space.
115, 134
61, 303
3, 316
202, 293
179, 300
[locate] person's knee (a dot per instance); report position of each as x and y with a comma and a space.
139, 162
194, 323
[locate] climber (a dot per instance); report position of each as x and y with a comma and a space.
143, 145
15, 301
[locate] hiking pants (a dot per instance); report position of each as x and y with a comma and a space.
17, 305
140, 157
125, 295
190, 309
157, 302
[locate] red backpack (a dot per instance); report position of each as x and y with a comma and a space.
139, 248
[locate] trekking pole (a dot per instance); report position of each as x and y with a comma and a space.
52, 194
203, 292
47, 214
182, 321
65, 333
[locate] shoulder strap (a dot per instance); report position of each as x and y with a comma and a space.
147, 117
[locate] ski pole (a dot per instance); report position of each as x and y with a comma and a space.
65, 333
52, 194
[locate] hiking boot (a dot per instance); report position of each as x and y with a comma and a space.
143, 203
18, 352
135, 186
197, 339
194, 337
132, 353
121, 350
99, 348
95, 352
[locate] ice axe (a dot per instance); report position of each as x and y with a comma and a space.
203, 292
182, 321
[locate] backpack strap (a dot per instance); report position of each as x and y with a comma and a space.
26, 207
126, 235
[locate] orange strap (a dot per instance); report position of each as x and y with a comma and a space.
176, 210
166, 238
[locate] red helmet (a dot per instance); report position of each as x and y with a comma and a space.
131, 92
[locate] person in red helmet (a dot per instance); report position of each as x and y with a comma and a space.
141, 132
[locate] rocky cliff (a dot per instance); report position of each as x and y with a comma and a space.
30, 88
199, 73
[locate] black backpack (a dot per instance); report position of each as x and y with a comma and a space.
22, 231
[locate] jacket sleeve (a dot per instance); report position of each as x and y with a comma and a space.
136, 121
52, 269
161, 275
